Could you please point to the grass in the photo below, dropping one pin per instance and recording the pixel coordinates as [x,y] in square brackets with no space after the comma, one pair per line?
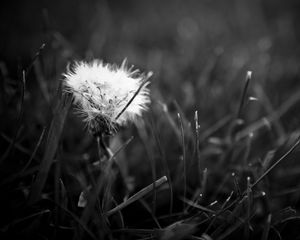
[215,157]
[235,216]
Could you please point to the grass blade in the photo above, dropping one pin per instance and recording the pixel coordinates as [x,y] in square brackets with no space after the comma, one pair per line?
[37,54]
[137,196]
[34,151]
[214,128]
[276,163]
[184,157]
[165,165]
[143,84]
[197,129]
[266,231]
[274,116]
[53,138]
[145,205]
[99,185]
[195,205]
[243,97]
[144,137]
[19,119]
[249,204]
[170,120]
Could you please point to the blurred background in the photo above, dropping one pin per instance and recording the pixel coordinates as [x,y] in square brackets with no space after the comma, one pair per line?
[199,52]
[186,43]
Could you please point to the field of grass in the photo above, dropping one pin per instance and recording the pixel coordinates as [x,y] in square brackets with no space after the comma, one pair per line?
[215,157]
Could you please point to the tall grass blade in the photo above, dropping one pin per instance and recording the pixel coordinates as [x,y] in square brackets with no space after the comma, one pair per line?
[78,220]
[231,218]
[53,138]
[243,97]
[278,127]
[146,206]
[137,196]
[249,205]
[34,151]
[146,80]
[19,119]
[215,127]
[144,137]
[165,165]
[37,54]
[276,163]
[184,157]
[93,196]
[197,129]
[266,231]
[274,116]
[170,120]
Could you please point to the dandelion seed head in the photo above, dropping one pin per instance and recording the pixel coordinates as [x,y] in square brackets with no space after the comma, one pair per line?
[102,91]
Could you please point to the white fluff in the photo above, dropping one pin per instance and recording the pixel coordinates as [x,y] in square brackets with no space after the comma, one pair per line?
[101,91]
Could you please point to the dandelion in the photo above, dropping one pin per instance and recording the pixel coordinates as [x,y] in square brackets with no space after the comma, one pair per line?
[107,96]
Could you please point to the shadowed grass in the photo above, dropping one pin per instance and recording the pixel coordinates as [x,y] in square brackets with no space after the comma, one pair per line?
[137,196]
[261,199]
[266,231]
[165,165]
[276,163]
[244,93]
[54,134]
[93,196]
[19,119]
[183,157]
[34,151]
[144,137]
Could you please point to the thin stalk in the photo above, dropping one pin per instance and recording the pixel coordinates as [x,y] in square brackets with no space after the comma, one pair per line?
[134,95]
[170,120]
[19,119]
[276,163]
[99,147]
[99,185]
[249,191]
[165,165]
[236,184]
[136,196]
[34,151]
[195,205]
[214,128]
[274,116]
[37,54]
[144,136]
[20,116]
[145,205]
[243,97]
[78,220]
[266,231]
[218,213]
[197,128]
[53,138]
[184,158]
